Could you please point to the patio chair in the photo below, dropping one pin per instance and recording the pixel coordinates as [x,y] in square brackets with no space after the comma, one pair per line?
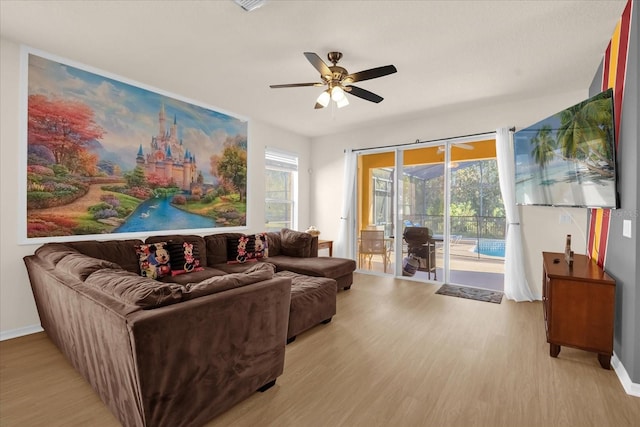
[372,242]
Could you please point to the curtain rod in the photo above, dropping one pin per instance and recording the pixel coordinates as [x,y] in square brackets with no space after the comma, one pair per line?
[417,141]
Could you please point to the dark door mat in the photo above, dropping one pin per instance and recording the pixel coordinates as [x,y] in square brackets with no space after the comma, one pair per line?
[471,293]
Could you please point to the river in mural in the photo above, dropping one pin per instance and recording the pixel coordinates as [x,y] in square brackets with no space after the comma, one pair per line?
[158,214]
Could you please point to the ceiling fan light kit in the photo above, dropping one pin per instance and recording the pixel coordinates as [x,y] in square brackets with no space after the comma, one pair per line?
[338,81]
[342,102]
[337,93]
[323,99]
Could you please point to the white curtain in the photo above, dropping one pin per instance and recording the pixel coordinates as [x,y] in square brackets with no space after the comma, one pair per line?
[344,244]
[515,282]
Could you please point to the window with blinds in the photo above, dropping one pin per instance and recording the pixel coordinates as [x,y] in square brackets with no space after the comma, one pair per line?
[281,190]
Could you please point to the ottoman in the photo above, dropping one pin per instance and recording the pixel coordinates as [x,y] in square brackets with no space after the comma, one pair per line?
[340,269]
[313,301]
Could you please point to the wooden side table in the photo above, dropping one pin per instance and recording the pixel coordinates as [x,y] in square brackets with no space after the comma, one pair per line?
[579,305]
[326,244]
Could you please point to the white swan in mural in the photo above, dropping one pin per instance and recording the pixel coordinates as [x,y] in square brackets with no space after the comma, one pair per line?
[154,206]
[144,214]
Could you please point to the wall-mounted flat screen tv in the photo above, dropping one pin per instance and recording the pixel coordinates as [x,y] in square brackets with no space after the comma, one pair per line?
[568,159]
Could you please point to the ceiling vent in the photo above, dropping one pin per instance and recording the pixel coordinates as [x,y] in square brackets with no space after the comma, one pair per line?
[250,5]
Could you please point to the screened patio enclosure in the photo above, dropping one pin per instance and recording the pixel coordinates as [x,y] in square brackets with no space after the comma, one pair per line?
[460,205]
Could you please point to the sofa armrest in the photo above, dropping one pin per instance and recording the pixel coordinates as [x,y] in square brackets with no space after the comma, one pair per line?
[90,329]
[200,357]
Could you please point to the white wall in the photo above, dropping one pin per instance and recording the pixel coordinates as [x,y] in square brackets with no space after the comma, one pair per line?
[17,308]
[18,313]
[542,230]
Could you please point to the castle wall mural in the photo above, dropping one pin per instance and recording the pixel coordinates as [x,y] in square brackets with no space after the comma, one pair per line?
[104,157]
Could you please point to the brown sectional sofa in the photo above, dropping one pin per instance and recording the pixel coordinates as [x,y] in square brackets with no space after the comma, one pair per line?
[289,251]
[180,351]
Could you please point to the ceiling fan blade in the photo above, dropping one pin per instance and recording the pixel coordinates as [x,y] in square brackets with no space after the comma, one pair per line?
[318,106]
[318,64]
[364,94]
[296,85]
[372,73]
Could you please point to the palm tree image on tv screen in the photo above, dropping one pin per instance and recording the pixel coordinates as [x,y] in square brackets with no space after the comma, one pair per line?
[568,159]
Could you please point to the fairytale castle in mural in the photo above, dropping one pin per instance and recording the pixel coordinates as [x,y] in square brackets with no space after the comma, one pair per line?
[168,157]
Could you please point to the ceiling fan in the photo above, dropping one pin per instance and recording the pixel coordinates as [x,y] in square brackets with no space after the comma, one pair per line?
[338,80]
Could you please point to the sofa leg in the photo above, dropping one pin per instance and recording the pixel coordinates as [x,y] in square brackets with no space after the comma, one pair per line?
[292,339]
[267,386]
[325,321]
[346,288]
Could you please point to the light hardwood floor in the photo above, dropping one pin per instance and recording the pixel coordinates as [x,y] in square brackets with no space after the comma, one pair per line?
[396,354]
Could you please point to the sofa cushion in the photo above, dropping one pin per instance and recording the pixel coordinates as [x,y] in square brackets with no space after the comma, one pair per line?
[122,252]
[256,273]
[246,248]
[194,276]
[295,243]
[52,253]
[317,266]
[275,243]
[133,289]
[154,260]
[217,247]
[237,267]
[82,266]
[184,257]
[198,242]
[148,293]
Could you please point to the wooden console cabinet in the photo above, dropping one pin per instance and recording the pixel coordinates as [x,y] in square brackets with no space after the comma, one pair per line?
[578,306]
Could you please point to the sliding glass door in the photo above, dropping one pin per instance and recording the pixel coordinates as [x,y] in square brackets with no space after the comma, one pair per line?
[432,213]
[476,217]
[422,213]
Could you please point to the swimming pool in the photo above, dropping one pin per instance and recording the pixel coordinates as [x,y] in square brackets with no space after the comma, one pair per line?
[490,247]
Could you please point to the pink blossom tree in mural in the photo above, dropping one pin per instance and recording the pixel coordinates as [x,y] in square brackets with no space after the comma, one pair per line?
[64,127]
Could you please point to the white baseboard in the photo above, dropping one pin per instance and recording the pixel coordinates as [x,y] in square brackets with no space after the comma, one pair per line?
[15,333]
[632,389]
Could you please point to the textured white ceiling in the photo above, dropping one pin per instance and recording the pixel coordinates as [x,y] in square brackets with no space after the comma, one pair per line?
[448,53]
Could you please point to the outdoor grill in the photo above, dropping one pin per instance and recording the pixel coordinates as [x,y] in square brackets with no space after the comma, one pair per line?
[416,238]
[421,246]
